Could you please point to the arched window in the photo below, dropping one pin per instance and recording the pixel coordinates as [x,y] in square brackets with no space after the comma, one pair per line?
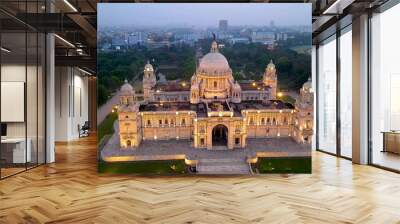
[251,121]
[262,120]
[166,121]
[268,120]
[273,121]
[148,123]
[215,84]
[183,122]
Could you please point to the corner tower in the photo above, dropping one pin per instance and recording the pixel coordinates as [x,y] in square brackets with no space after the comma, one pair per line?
[270,78]
[149,81]
[128,118]
[304,114]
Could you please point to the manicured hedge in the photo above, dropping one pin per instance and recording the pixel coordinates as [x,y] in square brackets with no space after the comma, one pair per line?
[284,165]
[144,167]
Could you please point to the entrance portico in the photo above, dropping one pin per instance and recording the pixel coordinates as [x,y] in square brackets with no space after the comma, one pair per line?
[220,135]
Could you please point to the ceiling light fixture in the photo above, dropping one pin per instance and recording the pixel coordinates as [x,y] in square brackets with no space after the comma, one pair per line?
[5,50]
[70,5]
[64,40]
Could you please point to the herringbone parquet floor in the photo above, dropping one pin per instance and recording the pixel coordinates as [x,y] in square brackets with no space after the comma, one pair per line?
[71,191]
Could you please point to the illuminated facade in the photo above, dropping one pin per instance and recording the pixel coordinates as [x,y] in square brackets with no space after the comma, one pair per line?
[129,119]
[213,110]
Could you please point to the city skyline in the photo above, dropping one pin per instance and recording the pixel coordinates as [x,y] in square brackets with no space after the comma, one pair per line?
[204,15]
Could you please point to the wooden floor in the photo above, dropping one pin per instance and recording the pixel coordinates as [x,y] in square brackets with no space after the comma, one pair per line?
[71,191]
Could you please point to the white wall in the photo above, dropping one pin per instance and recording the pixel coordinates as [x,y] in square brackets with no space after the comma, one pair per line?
[16,73]
[71,102]
[33,126]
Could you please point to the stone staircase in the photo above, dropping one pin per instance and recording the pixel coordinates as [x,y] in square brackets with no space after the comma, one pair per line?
[220,148]
[223,166]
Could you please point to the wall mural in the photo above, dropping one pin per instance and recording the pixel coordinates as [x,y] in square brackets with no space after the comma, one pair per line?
[204,88]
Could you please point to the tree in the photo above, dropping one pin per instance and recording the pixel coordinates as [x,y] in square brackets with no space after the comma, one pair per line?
[102,94]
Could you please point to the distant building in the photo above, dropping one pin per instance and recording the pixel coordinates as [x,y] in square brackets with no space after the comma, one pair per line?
[241,40]
[106,46]
[158,44]
[223,35]
[281,36]
[263,37]
[223,25]
[187,37]
[135,38]
[118,43]
[272,24]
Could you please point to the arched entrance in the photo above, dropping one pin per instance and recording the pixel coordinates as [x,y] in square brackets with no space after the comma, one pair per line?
[128,143]
[220,135]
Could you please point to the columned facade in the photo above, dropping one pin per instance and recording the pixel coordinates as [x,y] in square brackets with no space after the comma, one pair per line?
[220,113]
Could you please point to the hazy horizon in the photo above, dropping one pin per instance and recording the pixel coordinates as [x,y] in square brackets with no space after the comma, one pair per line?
[203,14]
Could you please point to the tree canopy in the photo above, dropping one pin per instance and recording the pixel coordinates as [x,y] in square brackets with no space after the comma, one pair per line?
[248,62]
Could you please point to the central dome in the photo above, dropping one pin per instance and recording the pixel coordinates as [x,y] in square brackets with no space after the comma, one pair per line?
[214,63]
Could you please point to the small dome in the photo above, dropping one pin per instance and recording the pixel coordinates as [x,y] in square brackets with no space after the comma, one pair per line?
[214,63]
[236,85]
[271,65]
[148,67]
[127,89]
[308,85]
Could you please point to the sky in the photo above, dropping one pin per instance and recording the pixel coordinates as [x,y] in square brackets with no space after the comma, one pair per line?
[202,14]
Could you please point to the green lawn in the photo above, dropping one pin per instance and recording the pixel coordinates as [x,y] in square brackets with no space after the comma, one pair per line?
[144,167]
[284,165]
[106,127]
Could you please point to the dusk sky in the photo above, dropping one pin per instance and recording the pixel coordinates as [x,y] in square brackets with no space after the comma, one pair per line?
[202,14]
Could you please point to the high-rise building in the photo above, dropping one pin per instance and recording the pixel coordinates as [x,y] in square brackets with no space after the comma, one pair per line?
[272,23]
[223,25]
